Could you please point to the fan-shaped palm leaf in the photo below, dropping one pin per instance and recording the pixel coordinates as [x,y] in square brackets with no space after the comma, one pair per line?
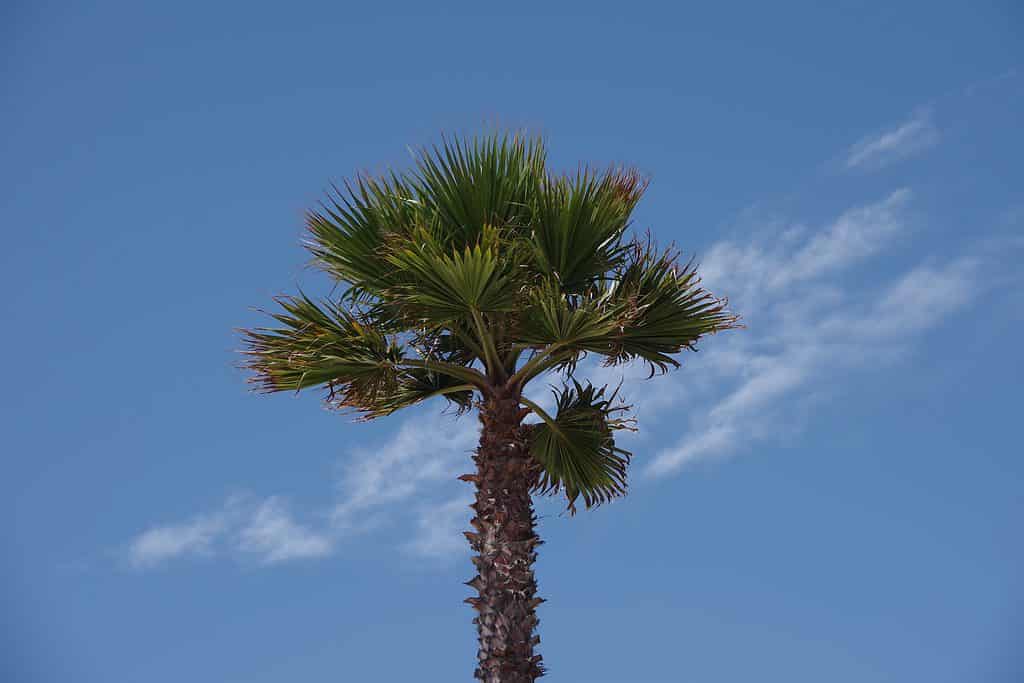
[576,448]
[578,224]
[663,309]
[361,367]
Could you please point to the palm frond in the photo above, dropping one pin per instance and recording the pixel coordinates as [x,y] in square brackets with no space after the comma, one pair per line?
[416,385]
[452,343]
[348,231]
[562,327]
[576,448]
[579,222]
[663,309]
[470,184]
[326,345]
[439,286]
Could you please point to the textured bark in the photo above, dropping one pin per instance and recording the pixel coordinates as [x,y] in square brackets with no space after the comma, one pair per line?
[505,544]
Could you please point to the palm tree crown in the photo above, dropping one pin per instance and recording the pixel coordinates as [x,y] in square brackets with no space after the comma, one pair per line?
[467,277]
[478,271]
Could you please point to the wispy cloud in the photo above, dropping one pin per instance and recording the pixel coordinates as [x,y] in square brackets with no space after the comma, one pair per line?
[264,530]
[913,136]
[162,543]
[273,535]
[754,269]
[774,381]
[991,82]
[813,324]
[426,449]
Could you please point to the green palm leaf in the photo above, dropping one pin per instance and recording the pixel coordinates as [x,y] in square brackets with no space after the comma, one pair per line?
[361,368]
[347,234]
[578,224]
[576,448]
[663,309]
[440,287]
[415,385]
[486,181]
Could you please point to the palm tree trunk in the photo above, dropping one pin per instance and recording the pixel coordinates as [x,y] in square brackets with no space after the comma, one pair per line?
[505,544]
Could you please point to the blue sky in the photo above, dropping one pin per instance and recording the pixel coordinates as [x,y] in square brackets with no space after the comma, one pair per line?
[834,493]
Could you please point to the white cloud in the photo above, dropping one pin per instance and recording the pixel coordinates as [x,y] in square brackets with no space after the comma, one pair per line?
[917,300]
[160,544]
[770,379]
[754,269]
[909,138]
[427,448]
[274,536]
[261,529]
[810,320]
[806,340]
[715,439]
[855,235]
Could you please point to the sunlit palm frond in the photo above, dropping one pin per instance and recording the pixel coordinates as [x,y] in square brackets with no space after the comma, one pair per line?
[484,181]
[578,224]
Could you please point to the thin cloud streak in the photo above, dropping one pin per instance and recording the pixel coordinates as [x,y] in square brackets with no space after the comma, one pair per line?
[758,385]
[764,268]
[913,136]
[426,449]
[274,536]
[264,530]
[160,544]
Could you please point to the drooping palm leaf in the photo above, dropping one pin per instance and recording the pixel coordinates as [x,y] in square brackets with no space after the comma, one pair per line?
[415,385]
[576,447]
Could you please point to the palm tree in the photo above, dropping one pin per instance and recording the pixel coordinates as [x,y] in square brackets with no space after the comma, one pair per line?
[468,277]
